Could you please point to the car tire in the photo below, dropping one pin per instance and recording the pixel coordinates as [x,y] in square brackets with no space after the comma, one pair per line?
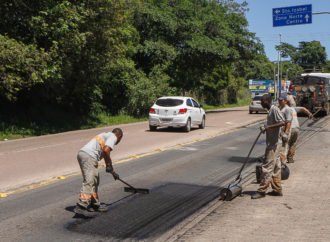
[187,128]
[152,128]
[256,111]
[250,112]
[202,125]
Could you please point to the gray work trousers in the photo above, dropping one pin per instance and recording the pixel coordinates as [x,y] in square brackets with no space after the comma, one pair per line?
[292,144]
[91,181]
[271,170]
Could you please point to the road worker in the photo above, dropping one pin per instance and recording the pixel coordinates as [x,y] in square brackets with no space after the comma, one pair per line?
[271,167]
[88,157]
[292,143]
[286,132]
[290,100]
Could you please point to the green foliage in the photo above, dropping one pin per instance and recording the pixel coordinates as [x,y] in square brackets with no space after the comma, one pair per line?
[309,55]
[118,56]
[326,68]
[22,67]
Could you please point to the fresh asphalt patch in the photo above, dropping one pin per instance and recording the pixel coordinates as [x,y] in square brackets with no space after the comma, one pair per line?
[146,216]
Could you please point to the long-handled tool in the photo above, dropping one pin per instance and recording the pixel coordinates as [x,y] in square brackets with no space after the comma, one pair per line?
[133,189]
[309,118]
[234,189]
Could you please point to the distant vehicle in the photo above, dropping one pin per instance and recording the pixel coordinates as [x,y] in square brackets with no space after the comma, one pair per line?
[176,112]
[255,105]
[312,91]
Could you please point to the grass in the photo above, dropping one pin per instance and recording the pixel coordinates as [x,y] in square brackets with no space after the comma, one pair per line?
[241,102]
[24,129]
[57,122]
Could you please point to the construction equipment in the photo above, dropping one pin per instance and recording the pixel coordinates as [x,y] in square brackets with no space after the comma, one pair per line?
[285,171]
[235,189]
[132,189]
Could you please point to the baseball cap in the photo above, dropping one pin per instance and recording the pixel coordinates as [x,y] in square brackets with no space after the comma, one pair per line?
[282,97]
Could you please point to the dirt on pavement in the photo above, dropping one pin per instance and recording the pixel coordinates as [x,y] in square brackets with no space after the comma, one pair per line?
[302,214]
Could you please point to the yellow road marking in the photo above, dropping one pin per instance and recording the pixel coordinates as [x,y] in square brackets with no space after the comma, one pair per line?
[57,178]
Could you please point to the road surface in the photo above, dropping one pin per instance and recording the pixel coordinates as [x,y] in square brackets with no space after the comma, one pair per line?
[37,159]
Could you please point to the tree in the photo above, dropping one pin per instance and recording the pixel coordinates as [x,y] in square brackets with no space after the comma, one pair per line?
[309,55]
[22,67]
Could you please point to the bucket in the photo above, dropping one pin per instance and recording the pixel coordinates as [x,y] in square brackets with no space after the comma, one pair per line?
[285,172]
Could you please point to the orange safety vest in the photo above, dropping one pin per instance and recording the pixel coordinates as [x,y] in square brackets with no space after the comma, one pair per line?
[290,98]
[100,140]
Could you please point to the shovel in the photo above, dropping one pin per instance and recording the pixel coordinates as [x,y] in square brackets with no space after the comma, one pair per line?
[235,189]
[132,189]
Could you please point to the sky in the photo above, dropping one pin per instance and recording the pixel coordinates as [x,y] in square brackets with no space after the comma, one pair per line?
[260,21]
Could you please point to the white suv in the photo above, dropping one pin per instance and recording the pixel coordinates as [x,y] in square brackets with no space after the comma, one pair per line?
[176,112]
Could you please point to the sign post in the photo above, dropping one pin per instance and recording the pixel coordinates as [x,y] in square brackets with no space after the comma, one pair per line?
[294,15]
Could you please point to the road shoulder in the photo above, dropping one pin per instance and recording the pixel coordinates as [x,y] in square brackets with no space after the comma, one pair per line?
[302,214]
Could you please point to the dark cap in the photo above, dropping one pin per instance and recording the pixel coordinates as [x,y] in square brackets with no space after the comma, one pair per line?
[282,97]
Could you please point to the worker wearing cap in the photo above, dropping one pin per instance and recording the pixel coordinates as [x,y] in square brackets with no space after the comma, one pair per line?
[271,167]
[292,143]
[88,157]
[286,132]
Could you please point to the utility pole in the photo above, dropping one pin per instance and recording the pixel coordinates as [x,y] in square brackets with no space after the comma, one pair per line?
[278,85]
[280,68]
[275,86]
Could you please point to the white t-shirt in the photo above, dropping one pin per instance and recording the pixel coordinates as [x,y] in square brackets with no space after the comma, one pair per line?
[94,147]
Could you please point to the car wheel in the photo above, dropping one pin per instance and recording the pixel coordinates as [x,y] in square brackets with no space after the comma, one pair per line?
[152,128]
[202,125]
[187,128]
[250,111]
[256,111]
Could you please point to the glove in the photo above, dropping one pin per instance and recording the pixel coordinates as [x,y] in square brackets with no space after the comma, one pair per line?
[285,137]
[108,168]
[310,116]
[263,128]
[115,175]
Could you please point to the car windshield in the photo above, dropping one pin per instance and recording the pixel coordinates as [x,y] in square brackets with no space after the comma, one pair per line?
[257,98]
[169,102]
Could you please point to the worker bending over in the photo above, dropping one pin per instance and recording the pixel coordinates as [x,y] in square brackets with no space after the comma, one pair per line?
[271,167]
[88,157]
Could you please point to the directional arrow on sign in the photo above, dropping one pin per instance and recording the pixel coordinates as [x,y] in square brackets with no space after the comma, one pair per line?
[293,15]
[307,17]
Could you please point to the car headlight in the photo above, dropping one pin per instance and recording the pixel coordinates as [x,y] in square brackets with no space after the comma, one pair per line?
[312,89]
[304,89]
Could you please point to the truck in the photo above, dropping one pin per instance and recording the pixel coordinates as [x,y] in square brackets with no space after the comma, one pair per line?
[312,91]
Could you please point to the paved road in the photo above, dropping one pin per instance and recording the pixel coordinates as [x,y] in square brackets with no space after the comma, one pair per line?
[182,181]
[302,214]
[37,159]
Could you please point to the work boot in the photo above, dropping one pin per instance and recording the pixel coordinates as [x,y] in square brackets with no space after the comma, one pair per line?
[81,207]
[276,194]
[98,208]
[258,195]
